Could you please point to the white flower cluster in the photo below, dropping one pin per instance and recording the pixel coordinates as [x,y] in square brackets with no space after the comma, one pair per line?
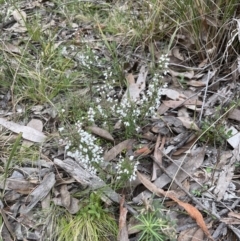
[91,114]
[147,105]
[87,153]
[163,63]
[107,74]
[126,170]
[105,89]
[127,113]
[154,89]
[84,60]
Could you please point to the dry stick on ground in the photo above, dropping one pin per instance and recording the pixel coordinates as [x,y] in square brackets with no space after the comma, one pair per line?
[204,97]
[123,232]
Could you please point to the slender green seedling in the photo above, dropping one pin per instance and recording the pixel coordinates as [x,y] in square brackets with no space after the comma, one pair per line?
[13,151]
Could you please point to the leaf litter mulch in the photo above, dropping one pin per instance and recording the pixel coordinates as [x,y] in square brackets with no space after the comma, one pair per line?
[188,153]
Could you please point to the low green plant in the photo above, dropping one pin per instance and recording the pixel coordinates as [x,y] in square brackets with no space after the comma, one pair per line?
[215,135]
[198,192]
[209,169]
[153,225]
[9,163]
[91,223]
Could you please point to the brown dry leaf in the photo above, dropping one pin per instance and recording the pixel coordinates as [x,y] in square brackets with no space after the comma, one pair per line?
[226,175]
[73,206]
[20,17]
[186,147]
[111,154]
[173,103]
[233,214]
[11,48]
[143,151]
[234,115]
[188,123]
[101,132]
[173,94]
[20,25]
[65,196]
[193,213]
[134,89]
[182,112]
[162,109]
[123,232]
[176,53]
[176,63]
[230,221]
[118,125]
[186,235]
[178,103]
[187,75]
[149,136]
[27,132]
[67,201]
[191,210]
[198,235]
[234,218]
[35,124]
[202,64]
[158,155]
[196,83]
[208,76]
[130,79]
[193,107]
[46,202]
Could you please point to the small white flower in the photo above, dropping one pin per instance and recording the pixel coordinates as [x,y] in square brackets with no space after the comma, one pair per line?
[165,85]
[61,129]
[138,129]
[131,158]
[126,123]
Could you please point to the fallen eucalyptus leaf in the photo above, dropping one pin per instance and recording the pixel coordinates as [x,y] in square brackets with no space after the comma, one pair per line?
[28,133]
[101,132]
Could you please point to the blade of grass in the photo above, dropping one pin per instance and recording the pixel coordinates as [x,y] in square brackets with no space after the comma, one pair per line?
[15,145]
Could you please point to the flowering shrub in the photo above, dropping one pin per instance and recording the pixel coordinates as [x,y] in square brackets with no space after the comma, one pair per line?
[126,112]
[85,151]
[126,170]
[109,110]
